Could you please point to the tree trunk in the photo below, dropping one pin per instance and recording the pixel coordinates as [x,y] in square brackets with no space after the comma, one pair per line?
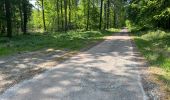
[21,17]
[108,13]
[58,20]
[75,13]
[105,15]
[43,14]
[62,22]
[65,8]
[115,19]
[101,13]
[88,14]
[69,13]
[8,18]
[25,16]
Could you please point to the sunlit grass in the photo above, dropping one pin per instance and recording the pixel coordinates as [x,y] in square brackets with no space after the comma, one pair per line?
[68,41]
[154,45]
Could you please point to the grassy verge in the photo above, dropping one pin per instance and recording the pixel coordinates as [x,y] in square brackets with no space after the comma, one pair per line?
[155,46]
[68,41]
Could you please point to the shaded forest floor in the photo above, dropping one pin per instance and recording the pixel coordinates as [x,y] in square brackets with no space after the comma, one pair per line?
[155,46]
[23,57]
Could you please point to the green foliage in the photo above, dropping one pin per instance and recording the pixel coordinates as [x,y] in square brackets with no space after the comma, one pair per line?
[128,24]
[150,13]
[79,12]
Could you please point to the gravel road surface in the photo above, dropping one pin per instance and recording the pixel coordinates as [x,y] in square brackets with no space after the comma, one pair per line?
[107,71]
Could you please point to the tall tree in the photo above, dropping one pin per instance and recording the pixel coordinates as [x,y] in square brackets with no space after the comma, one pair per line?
[108,13]
[105,15]
[21,16]
[42,4]
[62,21]
[58,18]
[69,13]
[88,15]
[2,18]
[8,18]
[25,4]
[65,9]
[101,13]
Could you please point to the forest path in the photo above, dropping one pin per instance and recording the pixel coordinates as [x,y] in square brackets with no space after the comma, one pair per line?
[108,71]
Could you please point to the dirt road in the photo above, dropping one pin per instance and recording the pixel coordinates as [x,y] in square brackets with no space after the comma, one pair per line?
[108,71]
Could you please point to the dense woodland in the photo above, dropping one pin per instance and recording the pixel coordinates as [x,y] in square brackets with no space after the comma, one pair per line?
[150,13]
[20,16]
